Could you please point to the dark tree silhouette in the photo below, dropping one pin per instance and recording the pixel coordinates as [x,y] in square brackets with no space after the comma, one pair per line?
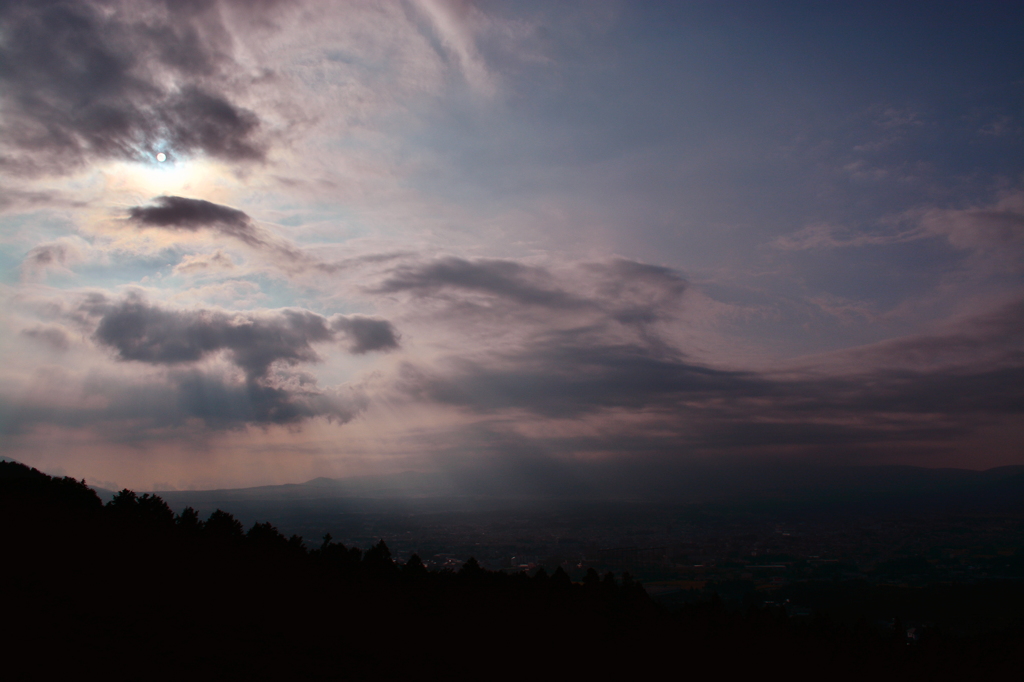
[414,567]
[540,577]
[471,570]
[154,511]
[223,526]
[189,522]
[265,536]
[124,502]
[560,581]
[378,562]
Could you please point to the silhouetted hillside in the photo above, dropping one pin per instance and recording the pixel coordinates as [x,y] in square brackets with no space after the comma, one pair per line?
[131,586]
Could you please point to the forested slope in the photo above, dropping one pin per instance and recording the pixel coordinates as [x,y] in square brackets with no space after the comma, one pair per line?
[131,586]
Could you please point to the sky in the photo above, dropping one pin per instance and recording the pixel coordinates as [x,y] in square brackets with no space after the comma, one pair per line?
[254,242]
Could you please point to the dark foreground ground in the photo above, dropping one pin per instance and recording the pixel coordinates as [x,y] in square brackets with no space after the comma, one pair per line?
[129,589]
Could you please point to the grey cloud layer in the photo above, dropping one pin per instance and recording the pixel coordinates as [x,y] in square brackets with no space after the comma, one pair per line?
[687,407]
[365,334]
[504,278]
[144,332]
[570,372]
[567,375]
[265,345]
[999,226]
[996,336]
[182,397]
[672,404]
[627,291]
[191,215]
[85,80]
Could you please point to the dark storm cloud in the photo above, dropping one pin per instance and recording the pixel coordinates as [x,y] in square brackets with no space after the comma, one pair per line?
[503,278]
[573,378]
[688,406]
[148,333]
[957,391]
[565,375]
[224,404]
[930,389]
[752,434]
[144,409]
[201,121]
[81,80]
[192,215]
[265,345]
[366,333]
[628,292]
[181,213]
[145,333]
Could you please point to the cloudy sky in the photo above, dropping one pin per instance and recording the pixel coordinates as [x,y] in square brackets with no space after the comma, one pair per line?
[249,242]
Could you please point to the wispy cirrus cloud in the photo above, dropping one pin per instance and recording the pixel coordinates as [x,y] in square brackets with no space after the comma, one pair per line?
[999,225]
[828,236]
[987,228]
[218,261]
[453,23]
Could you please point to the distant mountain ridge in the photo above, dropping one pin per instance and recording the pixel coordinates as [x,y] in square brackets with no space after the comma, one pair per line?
[796,484]
[404,484]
